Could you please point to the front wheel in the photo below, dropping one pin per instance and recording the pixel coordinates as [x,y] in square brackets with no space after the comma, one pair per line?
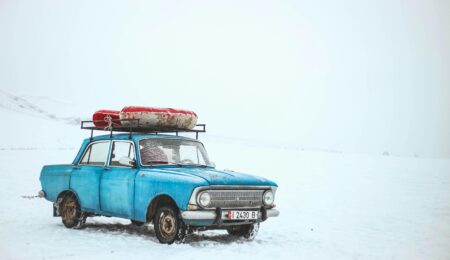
[168,225]
[247,231]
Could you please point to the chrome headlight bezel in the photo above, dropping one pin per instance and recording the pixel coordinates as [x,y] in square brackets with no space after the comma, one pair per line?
[268,197]
[204,199]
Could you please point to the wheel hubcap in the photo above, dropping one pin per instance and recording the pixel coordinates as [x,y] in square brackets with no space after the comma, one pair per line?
[167,225]
[69,211]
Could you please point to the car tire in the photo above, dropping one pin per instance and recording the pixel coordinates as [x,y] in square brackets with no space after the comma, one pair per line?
[71,212]
[168,225]
[247,231]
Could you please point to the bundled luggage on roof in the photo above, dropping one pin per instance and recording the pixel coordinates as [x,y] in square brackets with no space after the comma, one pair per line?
[145,120]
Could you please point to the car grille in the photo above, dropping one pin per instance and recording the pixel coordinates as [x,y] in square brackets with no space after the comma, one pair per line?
[236,198]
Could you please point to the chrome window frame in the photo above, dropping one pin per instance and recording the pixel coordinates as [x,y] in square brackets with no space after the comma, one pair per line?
[145,165]
[198,190]
[87,148]
[110,153]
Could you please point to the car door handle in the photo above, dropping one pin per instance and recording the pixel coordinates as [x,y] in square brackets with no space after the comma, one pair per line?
[106,168]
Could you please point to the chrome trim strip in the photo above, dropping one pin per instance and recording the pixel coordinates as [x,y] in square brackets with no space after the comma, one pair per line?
[87,147]
[198,215]
[211,215]
[193,199]
[41,194]
[145,165]
[235,198]
[272,213]
[110,152]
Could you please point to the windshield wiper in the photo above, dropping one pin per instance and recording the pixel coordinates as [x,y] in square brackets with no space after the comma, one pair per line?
[163,163]
[177,164]
[195,164]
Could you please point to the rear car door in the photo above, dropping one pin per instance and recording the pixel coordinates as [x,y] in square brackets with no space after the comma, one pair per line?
[117,182]
[85,177]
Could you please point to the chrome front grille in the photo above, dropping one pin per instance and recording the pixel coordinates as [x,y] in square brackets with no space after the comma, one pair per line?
[236,198]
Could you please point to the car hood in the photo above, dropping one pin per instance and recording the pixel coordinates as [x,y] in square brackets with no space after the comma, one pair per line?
[215,177]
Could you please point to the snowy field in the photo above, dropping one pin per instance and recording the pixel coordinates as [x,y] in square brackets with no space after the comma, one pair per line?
[333,205]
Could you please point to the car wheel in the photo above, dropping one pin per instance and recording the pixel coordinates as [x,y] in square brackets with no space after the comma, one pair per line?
[247,231]
[168,225]
[70,212]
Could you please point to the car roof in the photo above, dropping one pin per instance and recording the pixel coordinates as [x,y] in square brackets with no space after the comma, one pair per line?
[136,137]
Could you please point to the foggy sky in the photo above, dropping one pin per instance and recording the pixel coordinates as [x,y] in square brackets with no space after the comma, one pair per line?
[356,76]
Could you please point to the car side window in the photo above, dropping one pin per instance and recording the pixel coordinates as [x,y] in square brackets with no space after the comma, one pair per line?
[96,154]
[120,150]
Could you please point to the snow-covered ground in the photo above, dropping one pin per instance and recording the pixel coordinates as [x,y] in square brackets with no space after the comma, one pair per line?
[333,205]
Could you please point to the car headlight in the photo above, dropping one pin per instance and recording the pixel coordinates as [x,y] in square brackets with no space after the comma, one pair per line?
[204,199]
[268,198]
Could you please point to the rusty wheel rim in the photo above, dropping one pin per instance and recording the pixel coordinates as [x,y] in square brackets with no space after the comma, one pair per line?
[69,211]
[167,225]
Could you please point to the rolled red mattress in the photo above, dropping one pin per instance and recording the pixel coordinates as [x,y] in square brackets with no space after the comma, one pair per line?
[158,117]
[101,118]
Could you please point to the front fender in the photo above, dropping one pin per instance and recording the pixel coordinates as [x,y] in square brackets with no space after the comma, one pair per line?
[150,184]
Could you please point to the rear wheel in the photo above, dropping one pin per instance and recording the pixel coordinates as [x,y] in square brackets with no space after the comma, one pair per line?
[70,211]
[246,231]
[168,225]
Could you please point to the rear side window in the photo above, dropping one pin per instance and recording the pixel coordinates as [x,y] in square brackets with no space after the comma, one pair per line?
[96,154]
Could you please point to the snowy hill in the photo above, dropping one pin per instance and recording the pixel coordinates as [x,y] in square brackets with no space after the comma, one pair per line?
[37,123]
[23,105]
[333,205]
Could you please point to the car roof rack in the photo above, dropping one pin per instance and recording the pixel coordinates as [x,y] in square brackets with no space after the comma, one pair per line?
[114,125]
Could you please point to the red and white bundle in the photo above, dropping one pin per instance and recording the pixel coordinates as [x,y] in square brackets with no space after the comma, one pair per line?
[147,116]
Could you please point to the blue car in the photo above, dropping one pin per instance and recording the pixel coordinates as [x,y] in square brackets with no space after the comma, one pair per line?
[167,180]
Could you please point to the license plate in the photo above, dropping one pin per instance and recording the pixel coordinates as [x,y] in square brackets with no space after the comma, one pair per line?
[242,214]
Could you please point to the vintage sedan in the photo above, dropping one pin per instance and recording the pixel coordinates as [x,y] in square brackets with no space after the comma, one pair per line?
[166,180]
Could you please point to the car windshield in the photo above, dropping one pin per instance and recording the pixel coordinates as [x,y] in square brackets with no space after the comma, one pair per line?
[172,152]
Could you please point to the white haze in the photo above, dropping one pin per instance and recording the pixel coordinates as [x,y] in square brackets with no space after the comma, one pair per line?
[356,76]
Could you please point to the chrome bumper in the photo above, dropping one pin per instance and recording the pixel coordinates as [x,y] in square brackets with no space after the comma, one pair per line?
[41,194]
[211,214]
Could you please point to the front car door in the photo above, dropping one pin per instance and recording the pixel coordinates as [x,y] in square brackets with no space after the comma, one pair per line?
[117,182]
[86,175]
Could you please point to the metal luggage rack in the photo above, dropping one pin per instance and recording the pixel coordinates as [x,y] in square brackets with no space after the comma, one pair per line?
[114,125]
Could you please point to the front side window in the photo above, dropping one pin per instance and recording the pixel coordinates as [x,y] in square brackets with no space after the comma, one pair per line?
[96,154]
[172,151]
[119,150]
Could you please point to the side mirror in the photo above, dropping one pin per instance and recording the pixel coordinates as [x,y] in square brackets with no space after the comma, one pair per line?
[127,161]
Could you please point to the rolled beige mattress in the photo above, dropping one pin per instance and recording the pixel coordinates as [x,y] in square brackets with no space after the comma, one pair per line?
[158,117]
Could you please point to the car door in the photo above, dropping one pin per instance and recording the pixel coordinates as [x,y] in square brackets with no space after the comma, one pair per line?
[117,182]
[86,175]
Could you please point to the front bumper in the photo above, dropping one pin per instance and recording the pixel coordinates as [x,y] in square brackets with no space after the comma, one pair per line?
[220,217]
